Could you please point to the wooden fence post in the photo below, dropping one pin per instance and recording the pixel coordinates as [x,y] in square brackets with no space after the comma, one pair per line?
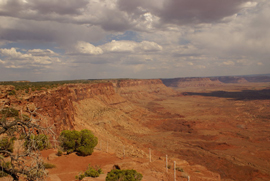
[107,146]
[124,150]
[150,154]
[100,145]
[166,163]
[174,170]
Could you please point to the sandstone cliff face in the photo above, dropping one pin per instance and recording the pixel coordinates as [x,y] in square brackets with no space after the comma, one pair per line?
[135,90]
[57,105]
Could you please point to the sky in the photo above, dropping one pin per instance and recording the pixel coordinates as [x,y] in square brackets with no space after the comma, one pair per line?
[45,40]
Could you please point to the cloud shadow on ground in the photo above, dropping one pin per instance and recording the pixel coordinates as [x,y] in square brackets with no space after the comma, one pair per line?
[263,94]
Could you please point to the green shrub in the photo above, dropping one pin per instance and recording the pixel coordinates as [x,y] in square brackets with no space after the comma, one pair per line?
[124,175]
[83,142]
[59,153]
[4,165]
[12,92]
[179,169]
[93,171]
[3,174]
[48,165]
[39,142]
[80,176]
[90,172]
[7,144]
[9,112]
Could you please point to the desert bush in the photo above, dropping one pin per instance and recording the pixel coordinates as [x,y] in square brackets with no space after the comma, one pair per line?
[59,153]
[90,172]
[80,176]
[39,142]
[83,142]
[9,112]
[12,92]
[48,165]
[4,165]
[179,169]
[93,171]
[7,144]
[3,174]
[124,175]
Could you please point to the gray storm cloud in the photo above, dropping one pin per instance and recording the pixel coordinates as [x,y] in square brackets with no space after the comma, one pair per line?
[183,12]
[123,14]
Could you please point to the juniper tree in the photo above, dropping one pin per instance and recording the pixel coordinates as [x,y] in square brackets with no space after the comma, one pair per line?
[22,160]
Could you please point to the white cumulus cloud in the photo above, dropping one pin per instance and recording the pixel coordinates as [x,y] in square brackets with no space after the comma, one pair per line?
[131,46]
[14,58]
[87,48]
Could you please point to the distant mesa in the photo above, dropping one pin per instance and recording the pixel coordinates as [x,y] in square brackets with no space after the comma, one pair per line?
[232,79]
[191,82]
[213,81]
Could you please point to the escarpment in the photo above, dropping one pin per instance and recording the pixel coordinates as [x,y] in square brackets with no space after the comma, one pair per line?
[57,104]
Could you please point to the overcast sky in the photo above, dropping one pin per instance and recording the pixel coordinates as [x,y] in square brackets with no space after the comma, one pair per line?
[94,39]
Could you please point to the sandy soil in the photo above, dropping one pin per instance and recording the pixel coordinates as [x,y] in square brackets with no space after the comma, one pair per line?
[68,166]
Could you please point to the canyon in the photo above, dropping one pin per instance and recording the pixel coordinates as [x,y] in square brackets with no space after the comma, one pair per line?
[215,128]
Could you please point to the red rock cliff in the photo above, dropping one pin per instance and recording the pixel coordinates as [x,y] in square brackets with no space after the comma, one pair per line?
[57,105]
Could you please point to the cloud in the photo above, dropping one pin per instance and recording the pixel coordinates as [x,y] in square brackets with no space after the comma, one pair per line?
[101,13]
[196,12]
[123,15]
[12,53]
[61,7]
[33,58]
[36,32]
[130,47]
[87,48]
[185,12]
[169,37]
[41,52]
[28,8]
[246,35]
[229,62]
